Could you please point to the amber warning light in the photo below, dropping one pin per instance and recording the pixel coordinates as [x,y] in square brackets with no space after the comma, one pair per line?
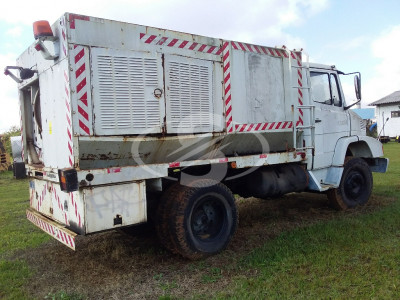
[42,29]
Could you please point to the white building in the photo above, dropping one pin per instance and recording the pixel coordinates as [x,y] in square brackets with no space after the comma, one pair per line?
[388,114]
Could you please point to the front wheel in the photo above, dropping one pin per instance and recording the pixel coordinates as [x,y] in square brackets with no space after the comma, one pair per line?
[199,219]
[355,186]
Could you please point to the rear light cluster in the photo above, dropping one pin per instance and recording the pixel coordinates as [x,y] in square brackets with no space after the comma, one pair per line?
[68,180]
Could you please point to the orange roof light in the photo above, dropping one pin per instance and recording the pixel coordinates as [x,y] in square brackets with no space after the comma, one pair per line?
[41,29]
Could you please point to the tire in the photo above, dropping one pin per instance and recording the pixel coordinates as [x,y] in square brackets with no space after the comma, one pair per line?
[355,186]
[162,223]
[198,220]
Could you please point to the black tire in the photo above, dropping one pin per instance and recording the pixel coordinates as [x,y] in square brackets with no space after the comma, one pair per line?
[162,223]
[355,186]
[201,219]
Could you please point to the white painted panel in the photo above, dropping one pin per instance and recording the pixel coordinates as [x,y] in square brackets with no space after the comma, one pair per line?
[258,90]
[123,92]
[189,95]
[104,204]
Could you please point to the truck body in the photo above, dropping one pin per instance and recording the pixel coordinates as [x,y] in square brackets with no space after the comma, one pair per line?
[123,123]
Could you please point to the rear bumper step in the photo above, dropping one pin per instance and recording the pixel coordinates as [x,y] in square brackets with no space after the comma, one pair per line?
[56,230]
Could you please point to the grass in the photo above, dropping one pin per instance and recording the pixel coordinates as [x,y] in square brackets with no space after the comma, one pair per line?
[344,258]
[16,234]
[351,255]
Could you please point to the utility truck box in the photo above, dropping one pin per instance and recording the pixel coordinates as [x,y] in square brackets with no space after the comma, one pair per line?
[125,123]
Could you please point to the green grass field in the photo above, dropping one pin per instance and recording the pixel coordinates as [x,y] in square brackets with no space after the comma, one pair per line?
[349,255]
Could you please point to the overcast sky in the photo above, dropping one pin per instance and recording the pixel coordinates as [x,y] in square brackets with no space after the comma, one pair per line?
[354,35]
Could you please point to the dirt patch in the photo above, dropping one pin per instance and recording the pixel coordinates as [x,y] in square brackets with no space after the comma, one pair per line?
[133,265]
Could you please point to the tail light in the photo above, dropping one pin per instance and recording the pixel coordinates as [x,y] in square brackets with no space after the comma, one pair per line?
[68,180]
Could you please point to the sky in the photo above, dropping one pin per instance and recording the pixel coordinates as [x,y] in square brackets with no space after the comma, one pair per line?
[353,35]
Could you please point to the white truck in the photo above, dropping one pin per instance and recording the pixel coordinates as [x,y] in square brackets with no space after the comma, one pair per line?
[124,123]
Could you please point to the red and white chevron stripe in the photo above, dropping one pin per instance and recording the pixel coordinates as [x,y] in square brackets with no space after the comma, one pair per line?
[260,49]
[227,86]
[263,126]
[177,43]
[81,89]
[52,230]
[75,207]
[297,58]
[41,198]
[60,205]
[68,117]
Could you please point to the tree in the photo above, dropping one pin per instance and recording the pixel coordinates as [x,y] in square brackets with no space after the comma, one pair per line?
[13,131]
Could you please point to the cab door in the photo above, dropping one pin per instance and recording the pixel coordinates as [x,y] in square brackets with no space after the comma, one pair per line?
[331,120]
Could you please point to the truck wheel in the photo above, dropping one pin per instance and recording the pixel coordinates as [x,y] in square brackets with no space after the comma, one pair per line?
[163,213]
[202,219]
[355,186]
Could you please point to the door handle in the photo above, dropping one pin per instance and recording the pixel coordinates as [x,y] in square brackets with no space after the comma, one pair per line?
[317,120]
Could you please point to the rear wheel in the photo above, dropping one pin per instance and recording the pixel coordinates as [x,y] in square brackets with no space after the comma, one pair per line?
[198,220]
[355,186]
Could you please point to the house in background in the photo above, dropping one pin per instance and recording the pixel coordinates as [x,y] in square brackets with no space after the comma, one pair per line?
[388,107]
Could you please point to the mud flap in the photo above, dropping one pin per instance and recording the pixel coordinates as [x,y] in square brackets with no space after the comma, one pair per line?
[57,231]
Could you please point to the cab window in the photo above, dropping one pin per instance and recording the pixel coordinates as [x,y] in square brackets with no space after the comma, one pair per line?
[325,88]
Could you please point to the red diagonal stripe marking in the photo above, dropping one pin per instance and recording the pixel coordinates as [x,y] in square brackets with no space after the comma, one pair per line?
[172,43]
[150,39]
[162,41]
[83,113]
[226,56]
[84,127]
[81,85]
[79,55]
[228,100]
[83,99]
[226,67]
[227,89]
[192,46]
[202,47]
[227,77]
[264,126]
[80,70]
[212,48]
[183,44]
[241,46]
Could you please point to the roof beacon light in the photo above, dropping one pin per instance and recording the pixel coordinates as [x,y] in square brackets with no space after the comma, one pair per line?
[42,29]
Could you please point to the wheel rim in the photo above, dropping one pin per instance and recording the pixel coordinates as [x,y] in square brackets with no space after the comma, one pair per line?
[353,185]
[208,219]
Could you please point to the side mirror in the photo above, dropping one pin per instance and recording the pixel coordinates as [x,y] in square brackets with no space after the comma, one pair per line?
[357,86]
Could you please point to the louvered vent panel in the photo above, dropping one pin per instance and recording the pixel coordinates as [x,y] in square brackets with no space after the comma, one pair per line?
[189,96]
[126,102]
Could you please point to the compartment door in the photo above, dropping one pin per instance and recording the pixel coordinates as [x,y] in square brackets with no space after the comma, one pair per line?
[189,94]
[128,96]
